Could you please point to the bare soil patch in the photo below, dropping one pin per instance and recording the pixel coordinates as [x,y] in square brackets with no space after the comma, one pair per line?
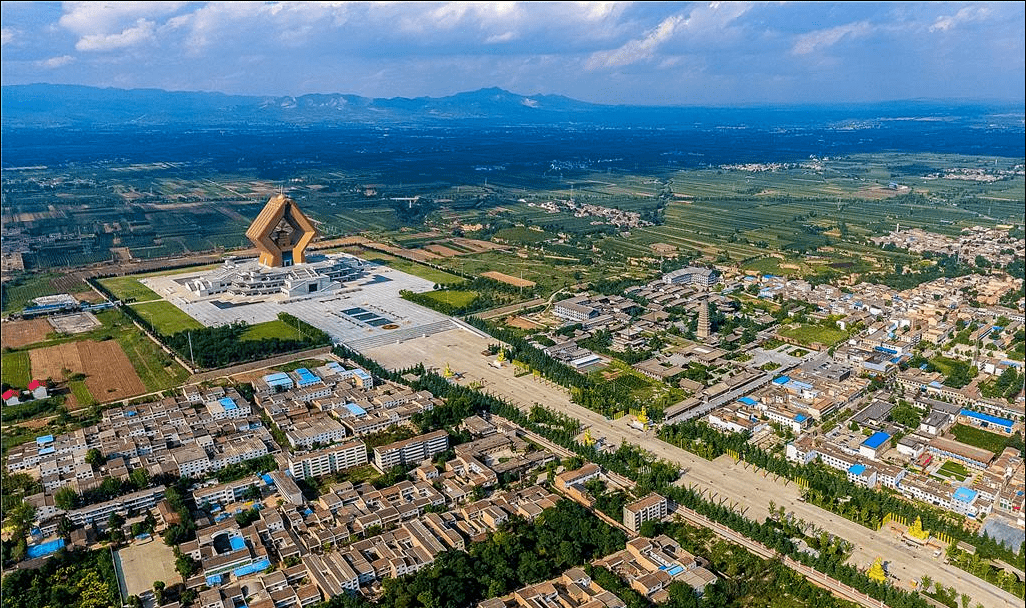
[442,250]
[20,333]
[505,278]
[522,323]
[49,362]
[109,373]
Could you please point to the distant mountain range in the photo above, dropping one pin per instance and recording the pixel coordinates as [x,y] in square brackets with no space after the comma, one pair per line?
[48,105]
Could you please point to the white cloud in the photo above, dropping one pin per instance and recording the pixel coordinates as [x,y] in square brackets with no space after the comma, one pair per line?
[823,39]
[97,18]
[56,62]
[7,35]
[636,50]
[141,32]
[965,15]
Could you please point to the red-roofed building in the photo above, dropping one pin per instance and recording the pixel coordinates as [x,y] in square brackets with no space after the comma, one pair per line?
[38,388]
[11,397]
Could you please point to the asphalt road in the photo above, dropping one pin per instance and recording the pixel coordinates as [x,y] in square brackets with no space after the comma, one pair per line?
[750,491]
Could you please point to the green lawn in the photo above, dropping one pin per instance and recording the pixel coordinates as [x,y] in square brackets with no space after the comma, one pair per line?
[15,369]
[809,334]
[271,329]
[953,469]
[129,289]
[980,438]
[418,270]
[166,318]
[81,393]
[454,297]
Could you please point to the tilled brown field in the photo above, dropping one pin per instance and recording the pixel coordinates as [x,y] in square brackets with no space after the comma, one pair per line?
[109,373]
[20,333]
[50,362]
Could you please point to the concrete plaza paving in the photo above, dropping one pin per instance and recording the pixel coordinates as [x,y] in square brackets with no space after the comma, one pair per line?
[376,292]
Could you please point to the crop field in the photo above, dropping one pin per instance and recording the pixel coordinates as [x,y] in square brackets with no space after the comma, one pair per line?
[522,235]
[19,333]
[15,369]
[129,289]
[109,373]
[271,329]
[19,292]
[57,361]
[812,334]
[157,369]
[166,318]
[979,438]
[83,398]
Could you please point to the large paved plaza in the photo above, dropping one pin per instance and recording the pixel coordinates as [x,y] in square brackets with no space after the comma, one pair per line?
[366,312]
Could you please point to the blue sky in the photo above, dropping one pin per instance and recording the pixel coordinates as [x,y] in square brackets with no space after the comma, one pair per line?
[719,53]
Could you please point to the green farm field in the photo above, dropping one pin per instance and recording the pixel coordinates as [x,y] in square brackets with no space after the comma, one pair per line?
[16,369]
[979,438]
[167,319]
[129,289]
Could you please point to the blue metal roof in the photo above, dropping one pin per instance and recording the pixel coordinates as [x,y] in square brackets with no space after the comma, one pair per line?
[781,380]
[44,439]
[355,409]
[800,417]
[987,418]
[857,469]
[267,479]
[228,403]
[747,401]
[876,440]
[884,349]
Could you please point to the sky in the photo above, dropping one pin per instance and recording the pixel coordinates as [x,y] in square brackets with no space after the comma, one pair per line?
[648,53]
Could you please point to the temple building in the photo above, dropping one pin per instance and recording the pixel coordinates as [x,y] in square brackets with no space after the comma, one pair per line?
[281,233]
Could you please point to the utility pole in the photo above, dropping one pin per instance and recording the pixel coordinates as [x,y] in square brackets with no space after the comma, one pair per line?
[191,355]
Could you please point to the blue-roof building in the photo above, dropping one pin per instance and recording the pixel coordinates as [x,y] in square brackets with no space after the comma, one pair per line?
[962,501]
[986,421]
[862,475]
[305,377]
[875,444]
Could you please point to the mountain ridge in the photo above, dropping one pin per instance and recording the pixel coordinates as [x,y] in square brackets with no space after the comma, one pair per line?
[50,105]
